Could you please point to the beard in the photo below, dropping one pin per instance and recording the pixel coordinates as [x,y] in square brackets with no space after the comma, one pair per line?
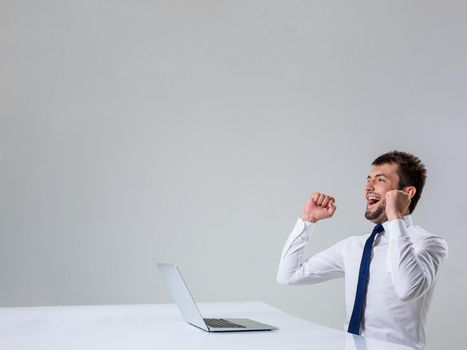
[378,216]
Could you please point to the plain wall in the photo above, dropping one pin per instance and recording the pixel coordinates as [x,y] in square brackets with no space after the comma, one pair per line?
[133,132]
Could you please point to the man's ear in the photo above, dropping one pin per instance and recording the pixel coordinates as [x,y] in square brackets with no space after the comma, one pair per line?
[410,190]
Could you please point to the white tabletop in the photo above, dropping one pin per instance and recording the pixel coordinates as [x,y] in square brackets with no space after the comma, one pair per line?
[160,326]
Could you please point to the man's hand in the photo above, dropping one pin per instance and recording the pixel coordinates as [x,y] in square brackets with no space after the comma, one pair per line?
[319,206]
[397,204]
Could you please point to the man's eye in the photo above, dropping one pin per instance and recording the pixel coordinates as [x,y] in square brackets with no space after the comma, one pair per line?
[381,179]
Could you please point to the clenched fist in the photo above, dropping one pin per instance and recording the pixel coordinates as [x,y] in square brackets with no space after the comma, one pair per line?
[397,204]
[319,206]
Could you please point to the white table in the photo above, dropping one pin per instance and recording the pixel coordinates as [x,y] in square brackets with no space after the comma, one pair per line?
[160,327]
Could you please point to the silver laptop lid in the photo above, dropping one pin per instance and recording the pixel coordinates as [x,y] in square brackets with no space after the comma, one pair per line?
[181,295]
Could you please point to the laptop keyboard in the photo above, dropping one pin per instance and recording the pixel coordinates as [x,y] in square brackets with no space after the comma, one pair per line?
[221,323]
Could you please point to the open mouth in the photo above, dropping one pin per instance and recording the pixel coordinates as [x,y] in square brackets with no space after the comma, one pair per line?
[372,199]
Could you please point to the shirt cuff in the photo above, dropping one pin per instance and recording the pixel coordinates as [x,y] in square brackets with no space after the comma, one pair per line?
[302,225]
[306,223]
[397,229]
[302,230]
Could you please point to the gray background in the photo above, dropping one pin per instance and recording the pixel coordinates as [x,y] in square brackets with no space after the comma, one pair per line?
[133,132]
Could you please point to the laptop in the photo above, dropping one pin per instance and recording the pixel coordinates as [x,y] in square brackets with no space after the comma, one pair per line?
[190,312]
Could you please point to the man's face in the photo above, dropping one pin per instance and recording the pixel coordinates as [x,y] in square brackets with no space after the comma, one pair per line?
[382,178]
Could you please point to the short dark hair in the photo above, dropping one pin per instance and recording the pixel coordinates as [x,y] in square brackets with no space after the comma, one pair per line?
[411,171]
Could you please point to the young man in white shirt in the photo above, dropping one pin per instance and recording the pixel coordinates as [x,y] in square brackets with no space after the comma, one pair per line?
[393,297]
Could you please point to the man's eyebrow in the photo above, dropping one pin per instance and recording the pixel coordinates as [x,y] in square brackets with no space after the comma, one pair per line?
[378,175]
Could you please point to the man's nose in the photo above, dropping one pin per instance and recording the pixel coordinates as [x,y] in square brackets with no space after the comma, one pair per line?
[369,186]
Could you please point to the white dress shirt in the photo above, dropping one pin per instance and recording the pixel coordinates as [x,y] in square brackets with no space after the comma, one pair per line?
[403,272]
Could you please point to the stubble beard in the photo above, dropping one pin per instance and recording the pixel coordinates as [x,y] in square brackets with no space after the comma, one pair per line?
[378,216]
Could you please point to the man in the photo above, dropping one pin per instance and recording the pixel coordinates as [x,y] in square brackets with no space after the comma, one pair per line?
[389,284]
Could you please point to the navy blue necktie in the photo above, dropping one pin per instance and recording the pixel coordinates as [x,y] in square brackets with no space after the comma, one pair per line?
[354,324]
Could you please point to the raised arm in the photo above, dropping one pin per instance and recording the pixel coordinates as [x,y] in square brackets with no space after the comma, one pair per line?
[414,266]
[293,267]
